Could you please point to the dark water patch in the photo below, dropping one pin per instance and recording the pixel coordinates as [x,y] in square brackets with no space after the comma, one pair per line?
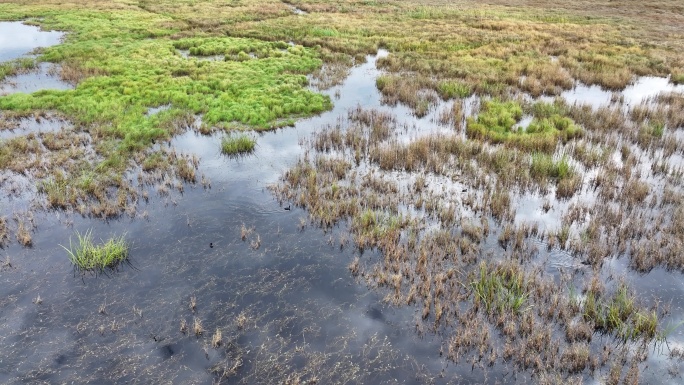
[18,39]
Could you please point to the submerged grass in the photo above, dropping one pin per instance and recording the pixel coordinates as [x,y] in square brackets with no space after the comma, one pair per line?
[88,256]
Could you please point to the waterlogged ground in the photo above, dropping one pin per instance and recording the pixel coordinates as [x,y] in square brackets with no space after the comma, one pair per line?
[225,255]
[282,298]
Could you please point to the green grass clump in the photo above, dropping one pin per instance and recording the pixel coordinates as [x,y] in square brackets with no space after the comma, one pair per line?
[500,289]
[87,256]
[497,121]
[375,228]
[545,167]
[237,144]
[619,314]
[14,67]
[452,89]
[677,78]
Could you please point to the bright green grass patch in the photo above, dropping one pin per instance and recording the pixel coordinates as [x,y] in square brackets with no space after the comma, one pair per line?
[142,68]
[237,144]
[497,122]
[87,256]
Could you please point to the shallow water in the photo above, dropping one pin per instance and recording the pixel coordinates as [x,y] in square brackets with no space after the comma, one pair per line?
[288,279]
[18,39]
[641,90]
[35,126]
[297,11]
[301,304]
[42,78]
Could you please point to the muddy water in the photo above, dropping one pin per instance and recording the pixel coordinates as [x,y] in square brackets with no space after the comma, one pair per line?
[283,297]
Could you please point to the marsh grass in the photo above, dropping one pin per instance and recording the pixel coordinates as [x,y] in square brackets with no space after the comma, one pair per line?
[131,64]
[237,144]
[17,66]
[497,123]
[500,289]
[86,255]
[620,314]
[434,257]
[4,231]
[450,52]
[544,166]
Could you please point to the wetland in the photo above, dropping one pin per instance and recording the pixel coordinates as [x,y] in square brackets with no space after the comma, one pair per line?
[329,192]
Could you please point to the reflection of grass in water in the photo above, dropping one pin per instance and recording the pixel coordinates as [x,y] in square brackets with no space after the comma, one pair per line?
[86,255]
[237,144]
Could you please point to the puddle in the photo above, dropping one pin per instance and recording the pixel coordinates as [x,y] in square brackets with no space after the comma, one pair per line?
[17,39]
[186,54]
[643,89]
[594,95]
[648,87]
[296,10]
[42,78]
[35,126]
[524,123]
[155,110]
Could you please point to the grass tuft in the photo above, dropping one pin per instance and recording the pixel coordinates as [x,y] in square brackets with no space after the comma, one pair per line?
[237,144]
[501,289]
[87,256]
[620,315]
